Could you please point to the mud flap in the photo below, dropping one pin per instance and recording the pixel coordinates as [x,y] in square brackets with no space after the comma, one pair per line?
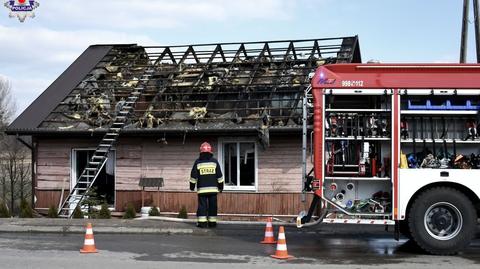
[396,232]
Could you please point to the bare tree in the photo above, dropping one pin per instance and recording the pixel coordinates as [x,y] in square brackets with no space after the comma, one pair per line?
[14,156]
[7,106]
[5,115]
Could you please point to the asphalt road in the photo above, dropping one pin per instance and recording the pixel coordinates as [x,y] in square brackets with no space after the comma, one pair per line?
[230,247]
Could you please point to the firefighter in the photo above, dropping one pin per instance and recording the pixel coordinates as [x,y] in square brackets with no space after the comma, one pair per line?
[207,176]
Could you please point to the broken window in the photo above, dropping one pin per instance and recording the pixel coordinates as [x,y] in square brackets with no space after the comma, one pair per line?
[239,159]
[105,182]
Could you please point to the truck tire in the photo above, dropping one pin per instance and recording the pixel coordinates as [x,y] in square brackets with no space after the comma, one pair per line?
[442,221]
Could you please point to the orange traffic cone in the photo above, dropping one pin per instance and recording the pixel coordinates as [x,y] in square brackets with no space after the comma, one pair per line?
[89,243]
[269,237]
[281,252]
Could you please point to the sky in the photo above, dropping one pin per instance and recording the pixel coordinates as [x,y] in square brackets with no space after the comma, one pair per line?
[34,53]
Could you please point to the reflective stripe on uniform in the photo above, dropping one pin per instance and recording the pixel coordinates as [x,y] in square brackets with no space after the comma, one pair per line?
[193,180]
[207,190]
[212,219]
[220,180]
[206,165]
[202,219]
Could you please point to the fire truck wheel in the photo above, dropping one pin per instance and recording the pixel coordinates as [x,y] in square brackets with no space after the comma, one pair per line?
[442,221]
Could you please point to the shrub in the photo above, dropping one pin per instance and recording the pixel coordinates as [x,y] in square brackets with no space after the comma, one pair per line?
[77,213]
[26,210]
[130,212]
[4,212]
[183,213]
[104,212]
[52,212]
[154,211]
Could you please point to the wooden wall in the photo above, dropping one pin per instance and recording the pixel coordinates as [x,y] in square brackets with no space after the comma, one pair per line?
[228,202]
[170,201]
[279,170]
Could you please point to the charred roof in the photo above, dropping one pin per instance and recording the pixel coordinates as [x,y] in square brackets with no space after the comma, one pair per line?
[226,86]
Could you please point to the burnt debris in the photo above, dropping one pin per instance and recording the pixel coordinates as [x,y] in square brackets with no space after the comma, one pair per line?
[250,85]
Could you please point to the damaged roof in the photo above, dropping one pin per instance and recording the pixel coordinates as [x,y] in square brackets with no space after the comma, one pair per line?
[225,86]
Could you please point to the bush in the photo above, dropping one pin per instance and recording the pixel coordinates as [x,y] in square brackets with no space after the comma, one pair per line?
[26,210]
[183,213]
[52,212]
[78,213]
[130,212]
[4,212]
[104,212]
[154,211]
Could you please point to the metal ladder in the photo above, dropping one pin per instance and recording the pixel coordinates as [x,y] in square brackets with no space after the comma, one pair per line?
[99,158]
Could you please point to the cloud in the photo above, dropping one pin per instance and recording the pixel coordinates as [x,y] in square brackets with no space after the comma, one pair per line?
[38,44]
[161,14]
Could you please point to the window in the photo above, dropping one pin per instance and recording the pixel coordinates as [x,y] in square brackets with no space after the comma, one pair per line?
[238,158]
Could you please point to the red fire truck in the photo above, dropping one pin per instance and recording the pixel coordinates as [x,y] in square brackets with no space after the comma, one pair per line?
[398,144]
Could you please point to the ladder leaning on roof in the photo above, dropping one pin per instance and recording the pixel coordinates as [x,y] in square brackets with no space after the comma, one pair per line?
[99,158]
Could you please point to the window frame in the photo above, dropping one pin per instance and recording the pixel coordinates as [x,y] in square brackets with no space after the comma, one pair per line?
[221,142]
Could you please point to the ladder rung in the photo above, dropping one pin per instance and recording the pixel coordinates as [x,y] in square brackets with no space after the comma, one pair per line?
[124,112]
[94,163]
[102,150]
[115,129]
[87,175]
[126,107]
[108,139]
[91,169]
[105,145]
[115,134]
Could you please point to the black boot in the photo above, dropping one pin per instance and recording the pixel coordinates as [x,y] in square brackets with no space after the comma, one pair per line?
[212,225]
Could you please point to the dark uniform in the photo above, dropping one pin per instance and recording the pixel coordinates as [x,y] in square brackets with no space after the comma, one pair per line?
[207,176]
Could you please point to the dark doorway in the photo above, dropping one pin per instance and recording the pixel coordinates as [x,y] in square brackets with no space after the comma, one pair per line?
[105,182]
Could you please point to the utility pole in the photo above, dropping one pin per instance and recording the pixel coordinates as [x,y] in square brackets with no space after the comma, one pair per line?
[463,44]
[477,28]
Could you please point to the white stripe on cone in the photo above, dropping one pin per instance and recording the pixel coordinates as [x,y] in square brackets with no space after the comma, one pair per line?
[89,231]
[269,224]
[282,247]
[89,242]
[269,234]
[281,236]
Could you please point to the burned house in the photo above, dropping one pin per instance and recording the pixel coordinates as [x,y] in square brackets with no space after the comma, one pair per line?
[243,98]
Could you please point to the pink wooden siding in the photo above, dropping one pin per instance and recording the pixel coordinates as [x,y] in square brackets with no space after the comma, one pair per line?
[279,167]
